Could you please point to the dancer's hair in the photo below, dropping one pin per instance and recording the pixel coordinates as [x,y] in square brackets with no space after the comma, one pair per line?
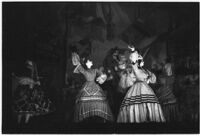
[84,61]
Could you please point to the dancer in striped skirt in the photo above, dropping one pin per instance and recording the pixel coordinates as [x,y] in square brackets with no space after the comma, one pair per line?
[91,101]
[140,103]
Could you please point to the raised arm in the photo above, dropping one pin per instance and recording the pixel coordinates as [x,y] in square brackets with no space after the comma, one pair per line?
[76,62]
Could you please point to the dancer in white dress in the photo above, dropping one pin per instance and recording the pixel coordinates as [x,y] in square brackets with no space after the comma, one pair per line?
[140,103]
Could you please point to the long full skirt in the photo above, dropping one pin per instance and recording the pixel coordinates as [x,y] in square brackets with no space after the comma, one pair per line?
[140,105]
[91,102]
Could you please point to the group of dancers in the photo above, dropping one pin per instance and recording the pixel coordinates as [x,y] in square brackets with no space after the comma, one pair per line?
[140,103]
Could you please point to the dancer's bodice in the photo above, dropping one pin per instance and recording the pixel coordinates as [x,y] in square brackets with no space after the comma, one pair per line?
[143,75]
[89,74]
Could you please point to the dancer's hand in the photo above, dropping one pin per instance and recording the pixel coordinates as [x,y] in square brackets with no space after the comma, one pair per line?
[101,79]
[75,59]
[148,79]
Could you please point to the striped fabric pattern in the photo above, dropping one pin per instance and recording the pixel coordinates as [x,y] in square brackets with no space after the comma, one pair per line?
[139,99]
[140,105]
[138,113]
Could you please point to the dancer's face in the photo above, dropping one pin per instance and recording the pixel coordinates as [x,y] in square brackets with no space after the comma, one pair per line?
[89,64]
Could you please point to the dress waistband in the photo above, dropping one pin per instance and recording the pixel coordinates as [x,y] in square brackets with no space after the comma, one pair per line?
[138,81]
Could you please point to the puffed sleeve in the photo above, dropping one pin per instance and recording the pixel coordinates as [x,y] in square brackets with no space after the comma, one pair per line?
[79,69]
[151,77]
